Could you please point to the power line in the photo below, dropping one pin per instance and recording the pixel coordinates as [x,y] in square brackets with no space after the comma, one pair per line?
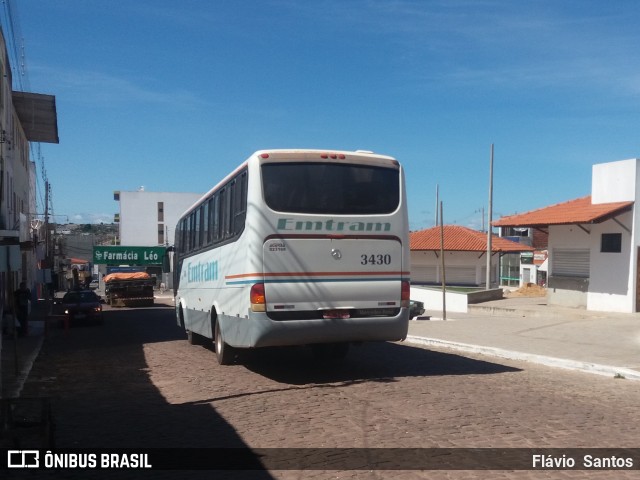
[20,80]
[18,62]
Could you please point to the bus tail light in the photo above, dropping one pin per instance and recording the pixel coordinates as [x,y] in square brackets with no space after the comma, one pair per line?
[405,294]
[258,301]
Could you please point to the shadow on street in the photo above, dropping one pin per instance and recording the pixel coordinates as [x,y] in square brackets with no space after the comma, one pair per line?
[97,380]
[369,362]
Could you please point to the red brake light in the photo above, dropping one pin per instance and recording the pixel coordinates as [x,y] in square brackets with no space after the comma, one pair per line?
[406,290]
[405,293]
[258,301]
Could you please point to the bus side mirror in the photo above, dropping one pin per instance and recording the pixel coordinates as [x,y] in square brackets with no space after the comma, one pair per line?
[166,260]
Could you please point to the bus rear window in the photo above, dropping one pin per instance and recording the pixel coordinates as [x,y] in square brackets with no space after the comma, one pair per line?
[330,188]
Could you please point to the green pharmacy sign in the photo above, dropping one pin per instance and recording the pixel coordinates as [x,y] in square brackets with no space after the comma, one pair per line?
[119,255]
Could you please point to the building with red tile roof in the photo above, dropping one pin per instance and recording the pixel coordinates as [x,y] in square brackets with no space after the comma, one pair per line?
[465,255]
[581,211]
[594,241]
[462,239]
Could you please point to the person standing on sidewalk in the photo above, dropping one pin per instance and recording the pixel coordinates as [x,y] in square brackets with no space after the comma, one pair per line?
[22,299]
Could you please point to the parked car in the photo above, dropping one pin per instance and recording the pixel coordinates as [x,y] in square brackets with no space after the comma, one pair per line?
[94,284]
[416,308]
[82,306]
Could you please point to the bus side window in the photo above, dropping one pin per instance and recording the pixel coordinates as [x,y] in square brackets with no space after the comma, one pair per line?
[215,218]
[240,204]
[206,226]
[222,206]
[197,238]
[192,232]
[229,210]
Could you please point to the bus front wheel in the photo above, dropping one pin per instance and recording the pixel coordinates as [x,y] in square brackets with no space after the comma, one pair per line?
[224,352]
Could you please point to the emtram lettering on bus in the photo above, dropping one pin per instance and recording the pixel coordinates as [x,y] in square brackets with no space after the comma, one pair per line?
[202,272]
[331,225]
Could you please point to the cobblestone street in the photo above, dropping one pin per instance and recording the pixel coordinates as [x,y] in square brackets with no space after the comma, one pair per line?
[136,383]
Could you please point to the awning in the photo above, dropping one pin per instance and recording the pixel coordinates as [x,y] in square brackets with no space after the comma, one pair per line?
[545,266]
[573,212]
[38,116]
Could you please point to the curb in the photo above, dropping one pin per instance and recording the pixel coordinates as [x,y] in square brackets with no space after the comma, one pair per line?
[25,369]
[610,371]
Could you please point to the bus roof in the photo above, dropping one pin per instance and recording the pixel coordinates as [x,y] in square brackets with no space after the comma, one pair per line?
[293,154]
[316,154]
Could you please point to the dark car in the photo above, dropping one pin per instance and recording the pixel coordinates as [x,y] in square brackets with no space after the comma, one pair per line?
[82,306]
[416,308]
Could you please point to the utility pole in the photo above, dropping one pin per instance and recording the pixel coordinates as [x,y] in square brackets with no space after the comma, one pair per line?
[47,250]
[437,204]
[444,278]
[46,222]
[490,214]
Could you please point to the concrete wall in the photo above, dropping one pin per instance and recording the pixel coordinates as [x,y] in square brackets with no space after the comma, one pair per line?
[139,216]
[432,299]
[613,278]
[610,284]
[614,181]
[485,295]
[461,268]
[456,301]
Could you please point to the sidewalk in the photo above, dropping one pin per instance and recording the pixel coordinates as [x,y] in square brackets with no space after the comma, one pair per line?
[526,328]
[19,353]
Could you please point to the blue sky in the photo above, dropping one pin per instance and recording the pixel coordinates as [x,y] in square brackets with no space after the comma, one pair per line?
[172,95]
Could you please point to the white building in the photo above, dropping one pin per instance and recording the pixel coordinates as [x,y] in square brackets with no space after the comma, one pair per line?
[24,118]
[150,218]
[594,241]
[465,256]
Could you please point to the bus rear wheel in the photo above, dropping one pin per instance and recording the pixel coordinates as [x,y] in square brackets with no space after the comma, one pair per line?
[224,353]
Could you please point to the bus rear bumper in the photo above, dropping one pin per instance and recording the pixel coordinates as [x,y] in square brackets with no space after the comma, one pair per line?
[264,332]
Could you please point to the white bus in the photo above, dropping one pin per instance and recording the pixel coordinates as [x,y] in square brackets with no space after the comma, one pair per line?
[296,247]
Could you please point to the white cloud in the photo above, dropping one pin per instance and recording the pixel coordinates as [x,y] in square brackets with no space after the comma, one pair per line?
[100,88]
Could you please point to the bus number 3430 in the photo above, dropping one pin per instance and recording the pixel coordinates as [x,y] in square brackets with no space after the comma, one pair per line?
[375,259]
